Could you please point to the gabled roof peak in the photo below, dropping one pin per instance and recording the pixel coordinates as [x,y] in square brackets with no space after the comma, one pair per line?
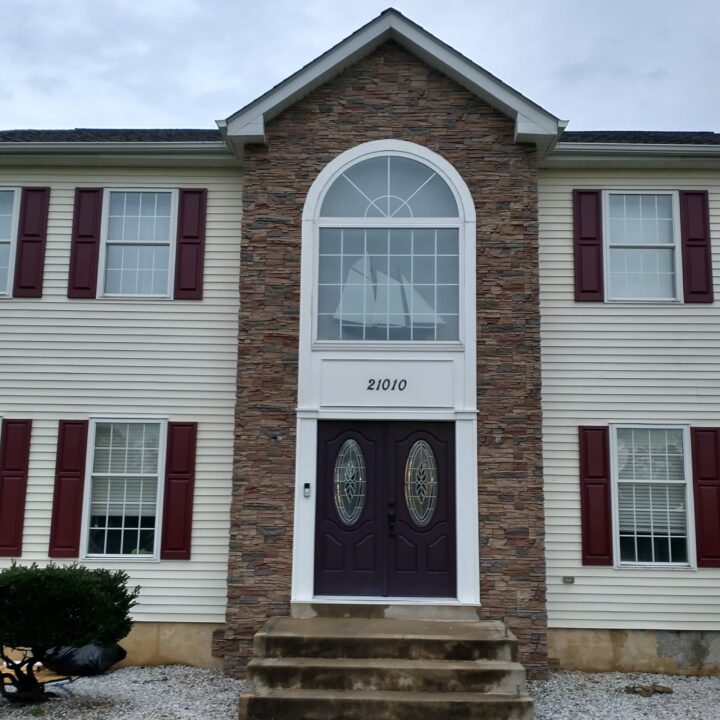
[533,124]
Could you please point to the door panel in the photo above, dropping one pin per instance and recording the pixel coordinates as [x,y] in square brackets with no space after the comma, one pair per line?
[349,559]
[386,548]
[422,554]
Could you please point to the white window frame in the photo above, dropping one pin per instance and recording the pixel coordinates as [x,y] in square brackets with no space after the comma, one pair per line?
[410,223]
[90,453]
[174,194]
[675,195]
[689,498]
[14,224]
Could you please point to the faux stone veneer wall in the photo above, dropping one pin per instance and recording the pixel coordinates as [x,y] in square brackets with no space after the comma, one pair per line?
[390,94]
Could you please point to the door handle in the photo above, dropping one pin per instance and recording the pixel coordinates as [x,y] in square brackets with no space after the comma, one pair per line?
[392,518]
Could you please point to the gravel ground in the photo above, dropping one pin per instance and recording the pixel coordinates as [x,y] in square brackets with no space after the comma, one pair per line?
[582,696]
[173,692]
[183,693]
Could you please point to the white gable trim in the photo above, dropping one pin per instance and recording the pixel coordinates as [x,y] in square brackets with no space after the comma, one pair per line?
[532,123]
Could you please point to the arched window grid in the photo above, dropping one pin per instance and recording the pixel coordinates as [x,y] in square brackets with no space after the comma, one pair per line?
[428,313]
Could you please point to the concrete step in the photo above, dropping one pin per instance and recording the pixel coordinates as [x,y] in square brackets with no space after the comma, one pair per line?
[378,668]
[483,676]
[436,610]
[385,639]
[378,705]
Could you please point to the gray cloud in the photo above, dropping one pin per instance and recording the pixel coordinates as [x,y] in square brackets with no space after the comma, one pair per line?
[645,64]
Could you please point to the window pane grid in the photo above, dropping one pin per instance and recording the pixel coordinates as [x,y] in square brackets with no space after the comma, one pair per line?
[124,486]
[4,266]
[645,274]
[641,219]
[650,455]
[641,246]
[388,284]
[139,216]
[136,269]
[652,512]
[138,243]
[391,187]
[653,524]
[7,203]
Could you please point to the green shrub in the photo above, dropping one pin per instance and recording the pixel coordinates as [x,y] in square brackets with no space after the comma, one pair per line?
[58,605]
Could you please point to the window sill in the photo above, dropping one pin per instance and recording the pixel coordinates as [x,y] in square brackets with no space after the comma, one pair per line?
[134,297]
[655,566]
[644,301]
[374,346]
[119,558]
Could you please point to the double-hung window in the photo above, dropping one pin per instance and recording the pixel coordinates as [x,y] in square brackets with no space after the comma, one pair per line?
[9,202]
[652,494]
[138,247]
[123,498]
[642,246]
[650,246]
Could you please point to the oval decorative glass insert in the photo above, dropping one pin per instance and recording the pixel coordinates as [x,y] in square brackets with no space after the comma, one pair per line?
[350,482]
[421,483]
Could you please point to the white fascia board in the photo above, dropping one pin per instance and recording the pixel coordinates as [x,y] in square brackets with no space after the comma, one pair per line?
[526,129]
[532,122]
[208,153]
[632,155]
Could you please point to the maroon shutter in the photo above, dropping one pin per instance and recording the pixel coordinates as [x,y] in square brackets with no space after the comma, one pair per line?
[32,234]
[588,247]
[595,507]
[179,487]
[190,251]
[706,490]
[14,460]
[85,243]
[69,484]
[696,251]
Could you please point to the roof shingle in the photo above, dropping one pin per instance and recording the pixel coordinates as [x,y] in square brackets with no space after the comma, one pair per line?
[641,136]
[208,135]
[110,135]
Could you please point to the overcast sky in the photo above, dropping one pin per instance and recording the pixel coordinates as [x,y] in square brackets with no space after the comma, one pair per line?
[615,64]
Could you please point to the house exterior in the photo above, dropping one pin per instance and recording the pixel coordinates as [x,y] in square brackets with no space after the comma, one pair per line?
[82,364]
[391,337]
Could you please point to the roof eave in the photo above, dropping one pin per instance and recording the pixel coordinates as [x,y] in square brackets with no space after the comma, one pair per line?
[632,155]
[117,153]
[532,123]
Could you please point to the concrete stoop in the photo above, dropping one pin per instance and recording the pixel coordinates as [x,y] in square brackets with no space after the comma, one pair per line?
[383,669]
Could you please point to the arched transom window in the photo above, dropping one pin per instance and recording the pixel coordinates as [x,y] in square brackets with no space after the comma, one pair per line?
[389,254]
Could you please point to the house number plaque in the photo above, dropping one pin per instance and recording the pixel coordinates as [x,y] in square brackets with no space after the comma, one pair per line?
[364,382]
[385,384]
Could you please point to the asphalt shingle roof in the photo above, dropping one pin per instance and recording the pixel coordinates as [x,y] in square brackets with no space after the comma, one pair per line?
[109,135]
[641,136]
[208,135]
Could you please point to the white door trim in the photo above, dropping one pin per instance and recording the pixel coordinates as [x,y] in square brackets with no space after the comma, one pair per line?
[460,405]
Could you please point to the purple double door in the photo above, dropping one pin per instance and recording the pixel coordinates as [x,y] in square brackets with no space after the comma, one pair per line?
[385,521]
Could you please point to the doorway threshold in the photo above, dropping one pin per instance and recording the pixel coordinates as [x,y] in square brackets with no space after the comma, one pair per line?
[397,608]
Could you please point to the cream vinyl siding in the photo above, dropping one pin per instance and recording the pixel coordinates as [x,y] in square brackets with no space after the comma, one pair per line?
[619,363]
[117,358]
